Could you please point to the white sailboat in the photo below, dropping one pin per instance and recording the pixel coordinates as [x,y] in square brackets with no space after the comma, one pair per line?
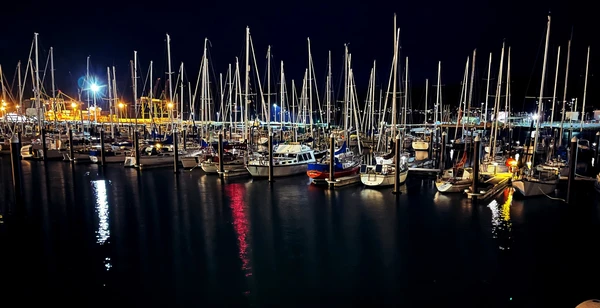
[534,182]
[384,172]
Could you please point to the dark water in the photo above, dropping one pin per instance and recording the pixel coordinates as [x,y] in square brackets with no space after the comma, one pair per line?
[120,237]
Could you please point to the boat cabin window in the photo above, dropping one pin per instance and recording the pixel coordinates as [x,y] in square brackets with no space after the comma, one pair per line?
[300,158]
[379,168]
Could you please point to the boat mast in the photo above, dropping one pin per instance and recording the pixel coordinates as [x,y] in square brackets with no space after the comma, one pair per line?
[555,83]
[282,97]
[231,99]
[539,112]
[346,80]
[53,85]
[294,110]
[269,88]
[469,102]
[151,94]
[108,84]
[426,98]
[247,84]
[462,101]
[487,93]
[181,94]
[135,98]
[87,85]
[310,92]
[494,133]
[394,83]
[20,85]
[562,120]
[405,95]
[191,110]
[169,73]
[114,88]
[222,104]
[587,67]
[239,97]
[37,84]
[328,90]
[372,118]
[437,95]
[507,95]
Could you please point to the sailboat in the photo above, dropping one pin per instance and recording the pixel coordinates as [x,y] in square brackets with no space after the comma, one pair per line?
[383,172]
[346,163]
[455,179]
[534,182]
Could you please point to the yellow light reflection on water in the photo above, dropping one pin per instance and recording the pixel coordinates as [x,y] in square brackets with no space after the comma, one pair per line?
[103,233]
[501,223]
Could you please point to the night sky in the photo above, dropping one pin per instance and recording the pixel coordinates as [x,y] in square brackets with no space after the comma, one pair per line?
[430,31]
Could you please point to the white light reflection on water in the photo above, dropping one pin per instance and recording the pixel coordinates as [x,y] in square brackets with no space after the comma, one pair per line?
[103,233]
[501,223]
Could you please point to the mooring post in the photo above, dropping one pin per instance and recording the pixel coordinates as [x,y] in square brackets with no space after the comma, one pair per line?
[331,160]
[572,166]
[176,152]
[221,154]
[136,148]
[431,143]
[443,151]
[510,141]
[475,163]
[397,147]
[71,150]
[17,173]
[270,156]
[44,150]
[597,156]
[102,155]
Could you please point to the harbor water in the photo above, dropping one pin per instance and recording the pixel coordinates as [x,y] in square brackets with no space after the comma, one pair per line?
[96,236]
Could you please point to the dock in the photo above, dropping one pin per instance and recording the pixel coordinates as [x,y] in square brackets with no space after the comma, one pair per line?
[499,184]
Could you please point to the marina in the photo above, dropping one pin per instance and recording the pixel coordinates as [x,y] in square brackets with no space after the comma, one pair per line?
[154,184]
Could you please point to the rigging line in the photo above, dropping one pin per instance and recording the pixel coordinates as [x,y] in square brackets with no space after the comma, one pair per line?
[211,67]
[27,68]
[45,69]
[146,81]
[551,198]
[12,85]
[537,56]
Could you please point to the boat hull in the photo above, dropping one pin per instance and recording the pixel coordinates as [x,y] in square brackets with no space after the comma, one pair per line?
[527,188]
[278,170]
[213,168]
[108,159]
[148,161]
[381,180]
[318,174]
[445,186]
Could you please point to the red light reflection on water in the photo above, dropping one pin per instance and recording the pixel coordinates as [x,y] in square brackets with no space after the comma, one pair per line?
[236,193]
